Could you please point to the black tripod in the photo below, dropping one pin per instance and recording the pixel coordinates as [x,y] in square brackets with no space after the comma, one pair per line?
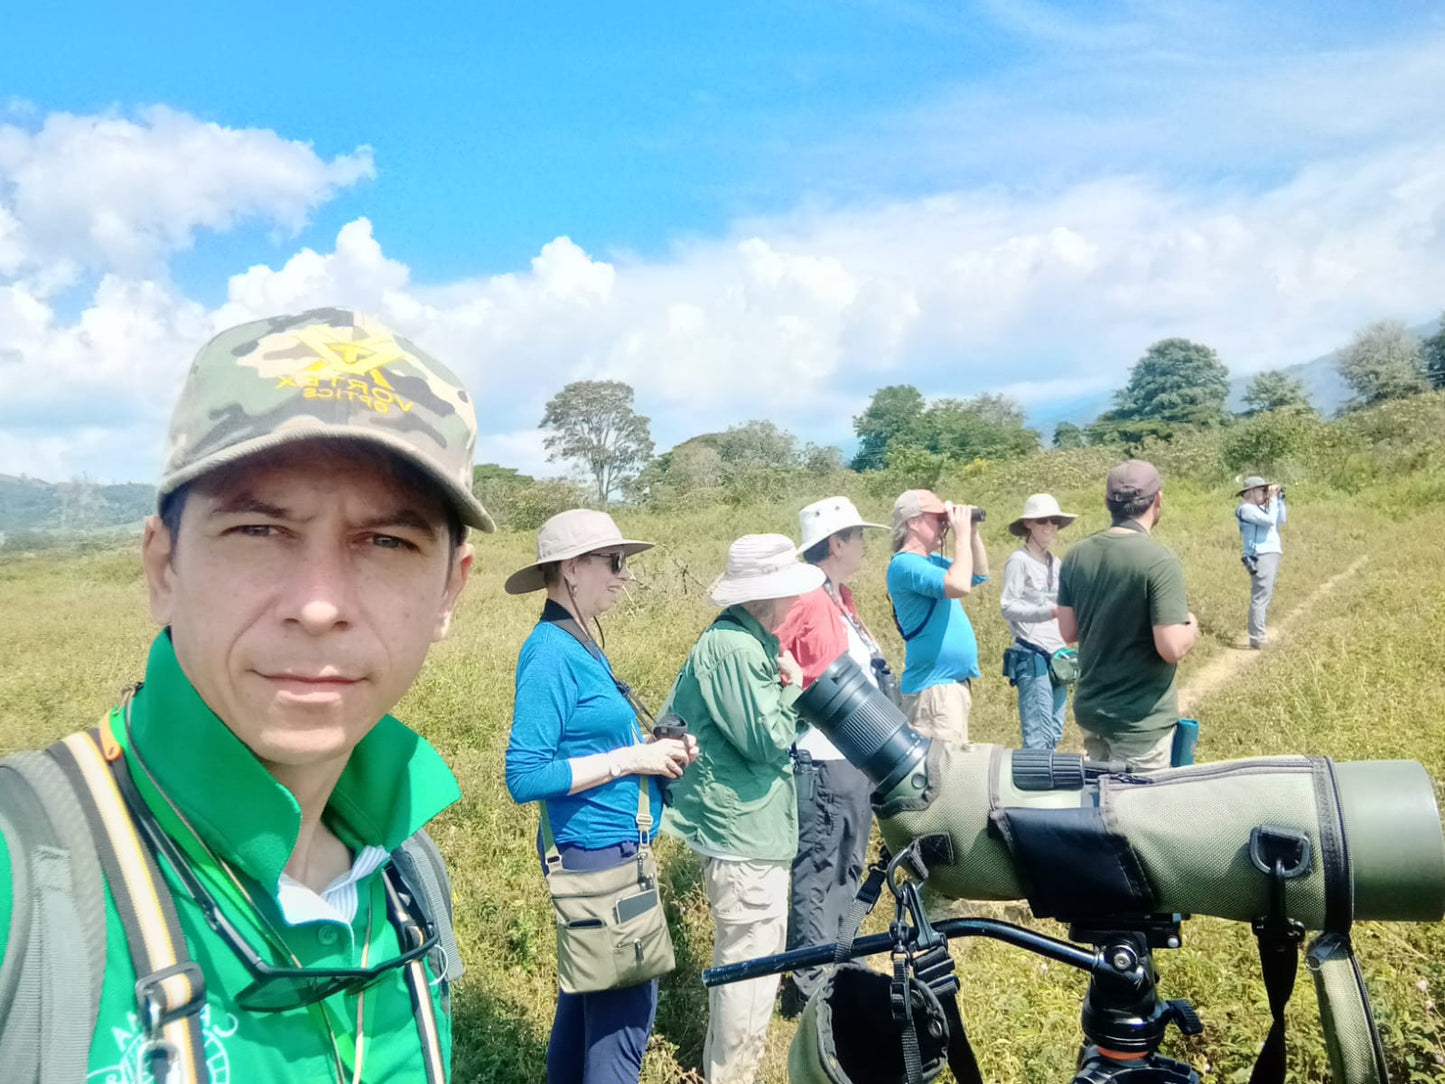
[1123,1018]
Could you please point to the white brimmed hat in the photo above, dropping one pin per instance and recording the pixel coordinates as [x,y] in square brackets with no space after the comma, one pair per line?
[825,518]
[762,566]
[571,534]
[1040,506]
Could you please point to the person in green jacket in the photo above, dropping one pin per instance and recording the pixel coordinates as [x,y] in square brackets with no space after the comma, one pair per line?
[737,806]
[310,546]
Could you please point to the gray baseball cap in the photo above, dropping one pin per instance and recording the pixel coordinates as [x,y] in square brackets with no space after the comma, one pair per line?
[1131,480]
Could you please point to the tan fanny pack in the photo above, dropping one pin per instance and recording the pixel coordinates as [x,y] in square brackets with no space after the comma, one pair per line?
[611,926]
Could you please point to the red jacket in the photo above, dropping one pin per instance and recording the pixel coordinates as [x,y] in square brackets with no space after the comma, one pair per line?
[814,631]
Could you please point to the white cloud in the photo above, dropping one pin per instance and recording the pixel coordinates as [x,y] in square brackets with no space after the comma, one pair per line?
[1046,289]
[114,192]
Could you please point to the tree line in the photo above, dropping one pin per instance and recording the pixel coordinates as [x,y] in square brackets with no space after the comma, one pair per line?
[1176,386]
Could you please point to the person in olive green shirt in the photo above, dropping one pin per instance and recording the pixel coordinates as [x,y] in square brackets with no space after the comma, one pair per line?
[1121,597]
[310,546]
[737,806]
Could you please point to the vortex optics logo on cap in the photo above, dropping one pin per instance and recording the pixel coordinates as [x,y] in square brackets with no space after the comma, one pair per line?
[339,365]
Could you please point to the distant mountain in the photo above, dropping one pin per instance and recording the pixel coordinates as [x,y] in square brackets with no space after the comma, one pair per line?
[1327,389]
[28,504]
[1321,378]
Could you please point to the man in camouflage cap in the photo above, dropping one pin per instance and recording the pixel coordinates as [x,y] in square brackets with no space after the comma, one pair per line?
[309,547]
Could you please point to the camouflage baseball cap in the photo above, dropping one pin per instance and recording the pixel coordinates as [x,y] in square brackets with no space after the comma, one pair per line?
[327,373]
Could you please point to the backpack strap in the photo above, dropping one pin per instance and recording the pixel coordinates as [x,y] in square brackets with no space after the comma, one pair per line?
[54,961]
[425,872]
[170,989]
[932,606]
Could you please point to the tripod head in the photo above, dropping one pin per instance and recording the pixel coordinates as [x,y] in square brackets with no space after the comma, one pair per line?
[1123,1018]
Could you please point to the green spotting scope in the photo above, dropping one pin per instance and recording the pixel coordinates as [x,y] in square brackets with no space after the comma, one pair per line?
[1086,842]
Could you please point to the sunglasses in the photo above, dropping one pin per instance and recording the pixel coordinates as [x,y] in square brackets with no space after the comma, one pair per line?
[280,989]
[615,561]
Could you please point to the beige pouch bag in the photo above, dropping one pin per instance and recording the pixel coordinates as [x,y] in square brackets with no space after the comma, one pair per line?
[611,926]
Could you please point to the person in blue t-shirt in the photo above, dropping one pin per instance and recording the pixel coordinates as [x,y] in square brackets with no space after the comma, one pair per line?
[576,747]
[925,586]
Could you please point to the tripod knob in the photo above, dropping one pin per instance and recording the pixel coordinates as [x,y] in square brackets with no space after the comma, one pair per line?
[1184,1017]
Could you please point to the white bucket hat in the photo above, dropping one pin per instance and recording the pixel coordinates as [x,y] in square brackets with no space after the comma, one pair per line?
[1040,506]
[825,518]
[762,566]
[571,534]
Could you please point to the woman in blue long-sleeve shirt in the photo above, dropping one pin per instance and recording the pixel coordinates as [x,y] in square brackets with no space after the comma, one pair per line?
[576,747]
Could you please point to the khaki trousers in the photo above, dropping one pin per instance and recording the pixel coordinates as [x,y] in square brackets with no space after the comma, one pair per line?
[940,711]
[1147,752]
[750,918]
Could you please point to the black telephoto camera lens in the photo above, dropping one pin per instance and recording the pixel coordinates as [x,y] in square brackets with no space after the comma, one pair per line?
[979,515]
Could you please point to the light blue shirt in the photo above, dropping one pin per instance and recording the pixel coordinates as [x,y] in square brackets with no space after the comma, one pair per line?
[568,705]
[1259,526]
[945,648]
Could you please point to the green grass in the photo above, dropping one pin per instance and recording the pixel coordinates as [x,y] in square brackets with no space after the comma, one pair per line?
[1358,678]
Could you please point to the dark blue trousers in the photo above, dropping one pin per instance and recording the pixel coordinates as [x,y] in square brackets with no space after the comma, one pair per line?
[600,1038]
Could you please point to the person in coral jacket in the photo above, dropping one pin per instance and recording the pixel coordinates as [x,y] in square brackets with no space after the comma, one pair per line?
[834,817]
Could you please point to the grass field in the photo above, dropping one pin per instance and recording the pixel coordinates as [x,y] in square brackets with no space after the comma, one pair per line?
[1362,590]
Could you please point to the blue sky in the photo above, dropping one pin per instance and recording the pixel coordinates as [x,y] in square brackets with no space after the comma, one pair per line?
[745,210]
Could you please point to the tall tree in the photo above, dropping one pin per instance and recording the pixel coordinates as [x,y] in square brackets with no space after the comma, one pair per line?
[984,427]
[593,424]
[1275,390]
[1382,362]
[1432,356]
[893,414]
[757,445]
[1068,435]
[1176,384]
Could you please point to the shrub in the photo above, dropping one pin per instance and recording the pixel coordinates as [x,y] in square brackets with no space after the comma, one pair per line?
[1266,441]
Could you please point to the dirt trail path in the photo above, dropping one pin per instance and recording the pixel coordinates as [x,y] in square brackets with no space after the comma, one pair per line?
[1233,661]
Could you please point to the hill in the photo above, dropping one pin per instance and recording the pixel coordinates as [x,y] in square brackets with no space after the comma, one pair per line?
[29,504]
[1321,378]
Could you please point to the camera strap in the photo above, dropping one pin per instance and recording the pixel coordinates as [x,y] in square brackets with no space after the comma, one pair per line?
[554,614]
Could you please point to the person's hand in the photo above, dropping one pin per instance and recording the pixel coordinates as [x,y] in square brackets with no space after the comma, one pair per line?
[660,756]
[788,669]
[960,518]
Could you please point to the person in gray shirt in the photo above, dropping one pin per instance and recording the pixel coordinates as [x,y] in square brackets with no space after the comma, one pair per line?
[1029,601]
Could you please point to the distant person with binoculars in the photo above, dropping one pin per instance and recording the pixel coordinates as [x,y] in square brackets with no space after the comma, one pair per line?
[1260,514]
[1029,601]
[926,587]
[737,808]
[834,817]
[1121,597]
[577,749]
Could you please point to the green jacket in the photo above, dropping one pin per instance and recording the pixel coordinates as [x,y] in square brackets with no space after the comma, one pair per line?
[737,800]
[393,784]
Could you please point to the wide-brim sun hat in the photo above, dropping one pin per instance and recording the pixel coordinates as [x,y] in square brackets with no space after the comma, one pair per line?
[571,534]
[1254,481]
[1040,506]
[764,566]
[825,518]
[326,374]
